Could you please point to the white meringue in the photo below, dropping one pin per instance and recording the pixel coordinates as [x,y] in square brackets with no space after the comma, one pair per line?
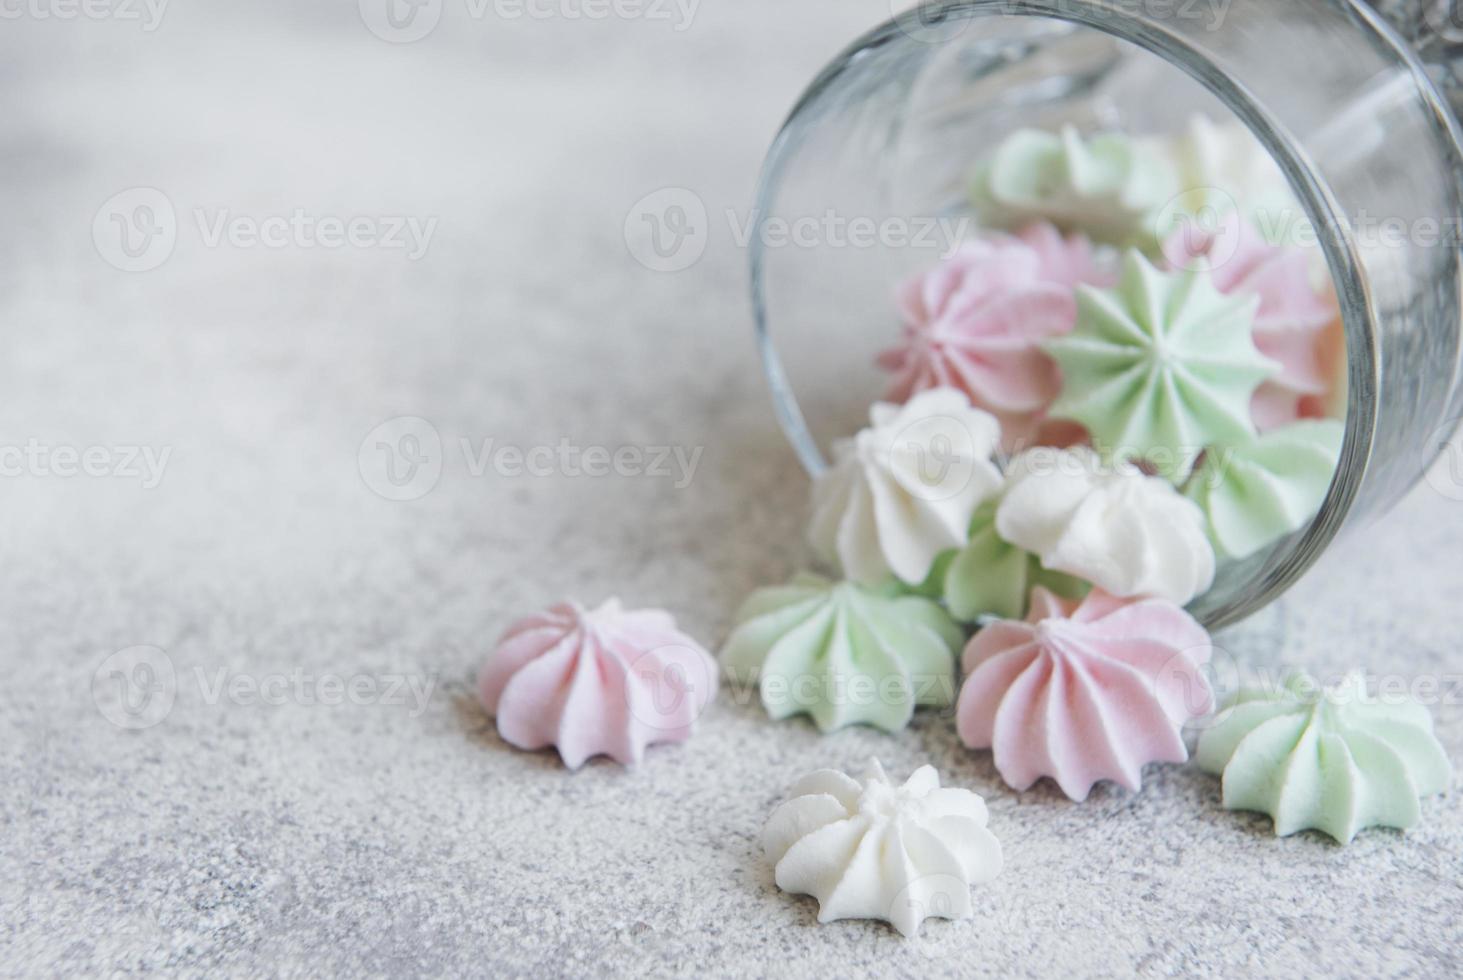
[872,850]
[1125,532]
[1224,167]
[903,490]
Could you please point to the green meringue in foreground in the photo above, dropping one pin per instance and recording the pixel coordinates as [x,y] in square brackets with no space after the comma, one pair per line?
[992,577]
[1254,495]
[1160,367]
[1335,760]
[844,653]
[1108,186]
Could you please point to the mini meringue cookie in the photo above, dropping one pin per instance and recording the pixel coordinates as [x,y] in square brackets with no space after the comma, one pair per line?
[606,681]
[1336,761]
[991,577]
[842,653]
[1107,186]
[1254,495]
[872,850]
[1127,533]
[903,490]
[975,323]
[1160,367]
[1291,319]
[1224,168]
[1084,692]
[1068,260]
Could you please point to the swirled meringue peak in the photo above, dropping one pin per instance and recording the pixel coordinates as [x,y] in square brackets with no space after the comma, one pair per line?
[871,849]
[992,577]
[1291,319]
[975,323]
[1254,495]
[1107,523]
[903,490]
[1336,760]
[1108,187]
[1084,692]
[1160,367]
[843,653]
[607,681]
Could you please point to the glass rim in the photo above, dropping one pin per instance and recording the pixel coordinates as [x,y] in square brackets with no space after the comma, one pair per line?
[1293,557]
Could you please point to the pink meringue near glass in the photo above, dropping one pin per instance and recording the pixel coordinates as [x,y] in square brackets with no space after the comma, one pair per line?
[976,323]
[1081,692]
[606,681]
[1292,319]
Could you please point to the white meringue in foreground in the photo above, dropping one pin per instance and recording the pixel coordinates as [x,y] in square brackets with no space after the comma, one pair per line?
[872,850]
[1127,533]
[904,489]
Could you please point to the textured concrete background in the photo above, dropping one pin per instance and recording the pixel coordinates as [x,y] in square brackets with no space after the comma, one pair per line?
[400,835]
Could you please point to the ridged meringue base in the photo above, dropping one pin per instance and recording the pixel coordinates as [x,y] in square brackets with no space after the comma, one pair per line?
[869,849]
[1336,761]
[606,681]
[843,653]
[1084,692]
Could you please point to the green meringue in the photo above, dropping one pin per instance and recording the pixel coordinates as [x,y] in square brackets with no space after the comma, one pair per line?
[1254,495]
[992,577]
[1161,367]
[844,653]
[1108,187]
[1336,761]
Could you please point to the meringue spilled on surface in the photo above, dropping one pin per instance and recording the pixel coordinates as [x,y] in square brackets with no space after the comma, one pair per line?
[871,849]
[1335,760]
[605,681]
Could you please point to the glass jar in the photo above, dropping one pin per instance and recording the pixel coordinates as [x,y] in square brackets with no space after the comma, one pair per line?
[886,135]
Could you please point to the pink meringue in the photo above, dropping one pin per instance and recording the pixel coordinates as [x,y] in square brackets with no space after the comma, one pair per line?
[1084,692]
[976,321]
[1290,325]
[1067,260]
[602,682]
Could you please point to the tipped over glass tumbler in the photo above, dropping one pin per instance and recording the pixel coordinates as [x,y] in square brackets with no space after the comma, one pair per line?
[874,161]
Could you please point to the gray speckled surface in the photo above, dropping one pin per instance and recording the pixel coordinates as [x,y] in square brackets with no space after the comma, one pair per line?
[297,838]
